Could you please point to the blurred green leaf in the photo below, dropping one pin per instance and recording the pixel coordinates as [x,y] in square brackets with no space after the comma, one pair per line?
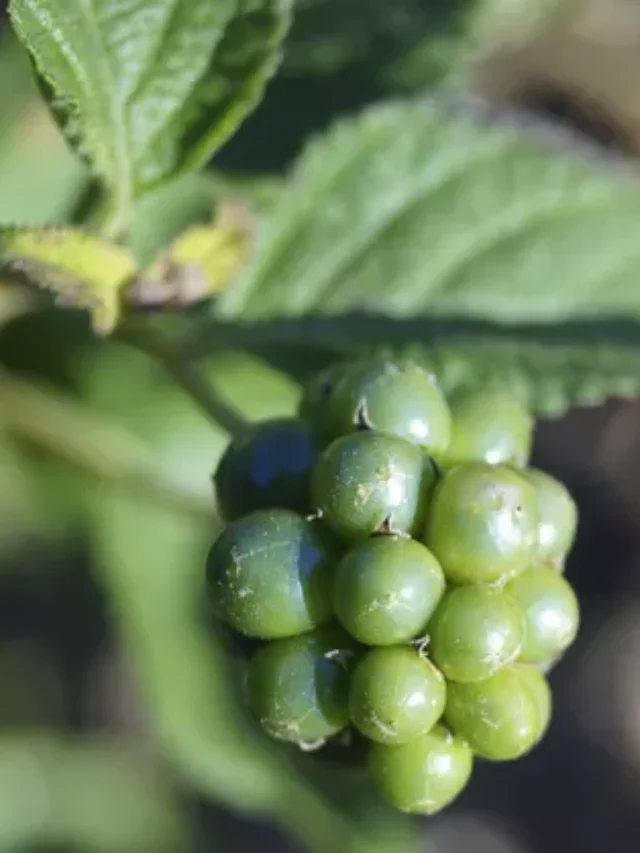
[40,178]
[80,269]
[125,385]
[40,500]
[137,430]
[98,447]
[21,510]
[96,795]
[148,88]
[328,35]
[431,210]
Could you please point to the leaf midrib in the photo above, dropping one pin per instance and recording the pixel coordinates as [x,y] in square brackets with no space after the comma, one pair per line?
[148,71]
[171,116]
[326,280]
[123,190]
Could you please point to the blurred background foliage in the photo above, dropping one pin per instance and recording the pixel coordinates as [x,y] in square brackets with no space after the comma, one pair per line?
[111,739]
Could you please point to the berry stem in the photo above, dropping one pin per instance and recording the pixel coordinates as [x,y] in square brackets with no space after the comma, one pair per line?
[187,375]
[104,450]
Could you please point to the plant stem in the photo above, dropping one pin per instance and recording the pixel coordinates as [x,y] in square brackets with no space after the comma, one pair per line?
[186,374]
[336,335]
[101,449]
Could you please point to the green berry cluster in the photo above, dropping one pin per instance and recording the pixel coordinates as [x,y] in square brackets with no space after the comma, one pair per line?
[402,570]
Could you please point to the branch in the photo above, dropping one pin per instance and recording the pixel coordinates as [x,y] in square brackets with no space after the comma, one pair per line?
[104,450]
[186,374]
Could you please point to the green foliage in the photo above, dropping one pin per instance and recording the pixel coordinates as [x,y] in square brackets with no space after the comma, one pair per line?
[80,269]
[91,794]
[41,180]
[86,272]
[548,376]
[416,208]
[19,501]
[497,257]
[421,209]
[147,88]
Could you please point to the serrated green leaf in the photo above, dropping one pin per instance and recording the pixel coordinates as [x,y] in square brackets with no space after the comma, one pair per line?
[548,378]
[437,210]
[551,368]
[148,87]
[415,208]
[80,269]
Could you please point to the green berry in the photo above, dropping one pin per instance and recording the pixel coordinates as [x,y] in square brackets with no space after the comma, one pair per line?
[551,612]
[501,717]
[298,687]
[474,632]
[489,427]
[315,404]
[396,695]
[368,483]
[548,665]
[425,775]
[267,468]
[386,589]
[558,517]
[270,574]
[540,690]
[482,523]
[398,398]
